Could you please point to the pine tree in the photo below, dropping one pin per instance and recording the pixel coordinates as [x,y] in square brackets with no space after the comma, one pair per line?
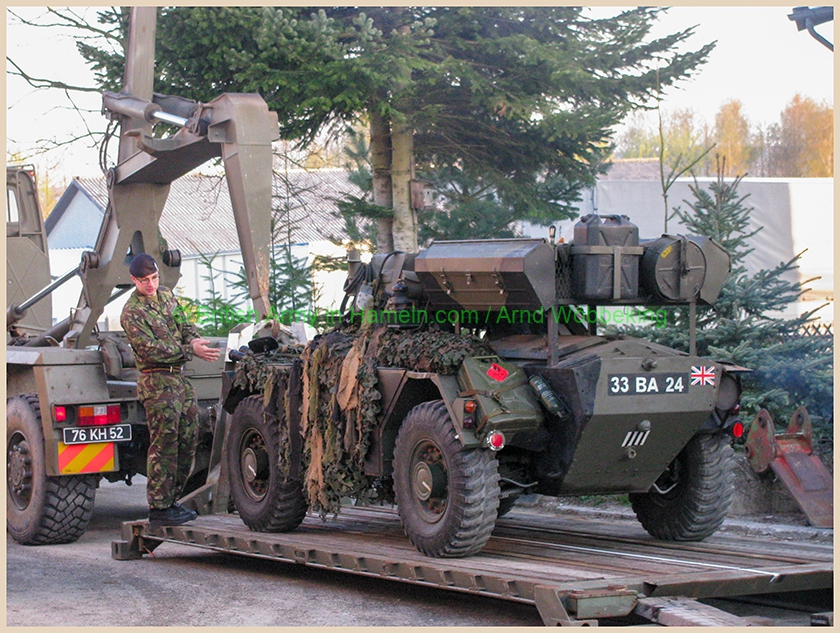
[526,97]
[213,314]
[360,214]
[290,291]
[788,368]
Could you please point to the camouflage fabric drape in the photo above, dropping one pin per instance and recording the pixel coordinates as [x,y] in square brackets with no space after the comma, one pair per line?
[341,399]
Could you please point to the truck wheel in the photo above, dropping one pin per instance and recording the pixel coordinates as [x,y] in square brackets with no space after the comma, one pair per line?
[40,510]
[266,501]
[446,495]
[689,500]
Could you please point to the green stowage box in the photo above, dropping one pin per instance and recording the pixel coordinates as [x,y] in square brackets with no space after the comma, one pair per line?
[509,405]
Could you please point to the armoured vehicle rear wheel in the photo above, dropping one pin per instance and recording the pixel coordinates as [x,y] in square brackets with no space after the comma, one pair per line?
[40,510]
[446,495]
[690,499]
[265,499]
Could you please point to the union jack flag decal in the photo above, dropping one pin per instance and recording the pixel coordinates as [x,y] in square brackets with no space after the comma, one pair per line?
[702,375]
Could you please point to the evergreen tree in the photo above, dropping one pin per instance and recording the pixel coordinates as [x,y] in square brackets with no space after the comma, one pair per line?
[468,207]
[361,215]
[523,98]
[788,368]
[291,293]
[213,314]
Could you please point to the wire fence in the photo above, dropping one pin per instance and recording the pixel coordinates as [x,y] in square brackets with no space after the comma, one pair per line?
[817,328]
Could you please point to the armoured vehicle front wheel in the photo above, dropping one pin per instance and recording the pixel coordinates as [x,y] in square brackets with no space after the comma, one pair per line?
[40,510]
[265,499]
[690,499]
[446,495]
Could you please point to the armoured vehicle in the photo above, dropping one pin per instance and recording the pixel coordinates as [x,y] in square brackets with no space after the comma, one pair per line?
[472,372]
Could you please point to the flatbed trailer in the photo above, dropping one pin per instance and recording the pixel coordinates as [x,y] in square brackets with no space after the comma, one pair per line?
[574,571]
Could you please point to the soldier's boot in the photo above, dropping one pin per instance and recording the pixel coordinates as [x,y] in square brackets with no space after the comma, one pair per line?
[173,515]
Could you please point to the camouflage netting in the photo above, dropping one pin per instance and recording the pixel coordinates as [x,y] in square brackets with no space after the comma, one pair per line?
[342,401]
[252,372]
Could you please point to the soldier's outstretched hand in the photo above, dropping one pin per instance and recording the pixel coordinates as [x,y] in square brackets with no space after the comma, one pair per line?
[204,352]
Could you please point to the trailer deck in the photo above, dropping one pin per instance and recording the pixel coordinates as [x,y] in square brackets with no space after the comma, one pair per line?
[575,571]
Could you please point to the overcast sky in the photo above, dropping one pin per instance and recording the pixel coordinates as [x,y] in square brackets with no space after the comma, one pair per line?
[760,59]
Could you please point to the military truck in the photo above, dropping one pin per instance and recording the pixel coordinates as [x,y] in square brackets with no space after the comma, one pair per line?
[472,372]
[72,415]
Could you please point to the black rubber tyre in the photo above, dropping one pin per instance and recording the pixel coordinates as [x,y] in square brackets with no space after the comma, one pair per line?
[696,491]
[265,500]
[446,495]
[40,510]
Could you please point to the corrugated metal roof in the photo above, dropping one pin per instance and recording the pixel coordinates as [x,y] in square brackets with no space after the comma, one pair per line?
[198,217]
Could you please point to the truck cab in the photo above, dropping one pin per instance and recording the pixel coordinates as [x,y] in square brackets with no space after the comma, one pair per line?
[27,257]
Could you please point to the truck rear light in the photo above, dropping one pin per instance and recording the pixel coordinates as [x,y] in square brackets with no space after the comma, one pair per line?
[737,429]
[60,413]
[99,414]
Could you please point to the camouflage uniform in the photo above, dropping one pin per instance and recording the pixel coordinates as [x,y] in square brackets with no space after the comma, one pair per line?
[160,332]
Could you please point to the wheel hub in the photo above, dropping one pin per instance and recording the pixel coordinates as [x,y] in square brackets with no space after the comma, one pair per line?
[19,473]
[254,466]
[429,481]
[249,465]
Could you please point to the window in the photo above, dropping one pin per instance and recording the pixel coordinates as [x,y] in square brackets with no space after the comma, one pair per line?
[11,206]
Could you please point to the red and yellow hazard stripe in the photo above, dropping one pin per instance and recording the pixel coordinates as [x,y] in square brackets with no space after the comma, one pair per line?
[86,458]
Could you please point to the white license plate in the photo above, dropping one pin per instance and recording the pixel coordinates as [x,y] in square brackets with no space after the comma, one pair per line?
[90,434]
[648,384]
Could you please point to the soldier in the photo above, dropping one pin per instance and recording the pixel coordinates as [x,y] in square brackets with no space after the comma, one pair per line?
[163,340]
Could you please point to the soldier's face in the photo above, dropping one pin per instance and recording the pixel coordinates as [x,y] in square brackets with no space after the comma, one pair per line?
[148,285]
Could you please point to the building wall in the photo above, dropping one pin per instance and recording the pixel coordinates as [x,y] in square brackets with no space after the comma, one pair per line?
[78,226]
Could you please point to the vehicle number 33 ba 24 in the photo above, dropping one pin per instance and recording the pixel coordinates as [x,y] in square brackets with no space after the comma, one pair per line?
[652,384]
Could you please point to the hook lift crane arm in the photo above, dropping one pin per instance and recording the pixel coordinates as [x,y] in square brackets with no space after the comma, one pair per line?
[239,128]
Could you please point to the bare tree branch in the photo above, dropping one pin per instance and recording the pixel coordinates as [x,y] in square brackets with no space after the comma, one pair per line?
[79,112]
[43,84]
[44,146]
[70,19]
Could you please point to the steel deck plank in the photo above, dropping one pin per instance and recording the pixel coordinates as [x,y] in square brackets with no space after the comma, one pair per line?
[565,556]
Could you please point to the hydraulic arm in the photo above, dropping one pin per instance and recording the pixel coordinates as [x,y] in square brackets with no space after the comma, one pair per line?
[236,127]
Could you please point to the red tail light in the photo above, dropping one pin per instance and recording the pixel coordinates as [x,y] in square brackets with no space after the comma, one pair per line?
[737,429]
[469,408]
[99,414]
[60,413]
[496,441]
